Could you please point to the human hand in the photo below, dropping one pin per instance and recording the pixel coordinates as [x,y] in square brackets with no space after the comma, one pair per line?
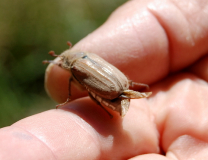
[162,43]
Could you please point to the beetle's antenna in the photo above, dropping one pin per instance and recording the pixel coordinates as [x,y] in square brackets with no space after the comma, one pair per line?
[52,53]
[47,61]
[50,61]
[69,44]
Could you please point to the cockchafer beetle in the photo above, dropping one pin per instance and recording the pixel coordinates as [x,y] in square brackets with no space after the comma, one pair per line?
[106,85]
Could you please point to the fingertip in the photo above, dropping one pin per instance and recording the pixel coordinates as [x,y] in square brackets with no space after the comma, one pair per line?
[56,83]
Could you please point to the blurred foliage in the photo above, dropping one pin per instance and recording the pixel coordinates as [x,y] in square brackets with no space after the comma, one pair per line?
[28,30]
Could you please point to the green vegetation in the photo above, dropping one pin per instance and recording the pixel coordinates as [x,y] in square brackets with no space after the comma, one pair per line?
[28,30]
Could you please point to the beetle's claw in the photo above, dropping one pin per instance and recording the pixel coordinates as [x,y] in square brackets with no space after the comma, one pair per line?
[67,101]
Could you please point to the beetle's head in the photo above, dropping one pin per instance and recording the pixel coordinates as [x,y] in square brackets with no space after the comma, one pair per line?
[66,59]
[69,57]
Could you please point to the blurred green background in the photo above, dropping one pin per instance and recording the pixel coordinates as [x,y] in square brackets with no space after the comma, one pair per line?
[28,30]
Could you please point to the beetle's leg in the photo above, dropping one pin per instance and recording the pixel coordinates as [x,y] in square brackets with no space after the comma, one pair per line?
[111,116]
[68,100]
[50,61]
[124,107]
[130,94]
[119,105]
[132,84]
[69,96]
[70,80]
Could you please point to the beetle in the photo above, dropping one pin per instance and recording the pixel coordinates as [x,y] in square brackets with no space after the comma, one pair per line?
[106,84]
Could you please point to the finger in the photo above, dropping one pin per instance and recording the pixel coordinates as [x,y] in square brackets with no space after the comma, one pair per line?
[57,84]
[200,68]
[187,32]
[86,132]
[146,40]
[149,157]
[180,108]
[188,147]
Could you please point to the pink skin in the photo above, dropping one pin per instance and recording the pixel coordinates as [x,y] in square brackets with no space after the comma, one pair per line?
[147,40]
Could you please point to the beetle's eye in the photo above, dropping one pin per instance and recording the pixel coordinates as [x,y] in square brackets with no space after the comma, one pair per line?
[84,57]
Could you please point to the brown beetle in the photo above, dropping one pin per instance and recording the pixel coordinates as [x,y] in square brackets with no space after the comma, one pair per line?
[106,85]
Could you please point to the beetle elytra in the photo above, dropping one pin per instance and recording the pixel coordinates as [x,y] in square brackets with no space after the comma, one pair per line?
[106,85]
